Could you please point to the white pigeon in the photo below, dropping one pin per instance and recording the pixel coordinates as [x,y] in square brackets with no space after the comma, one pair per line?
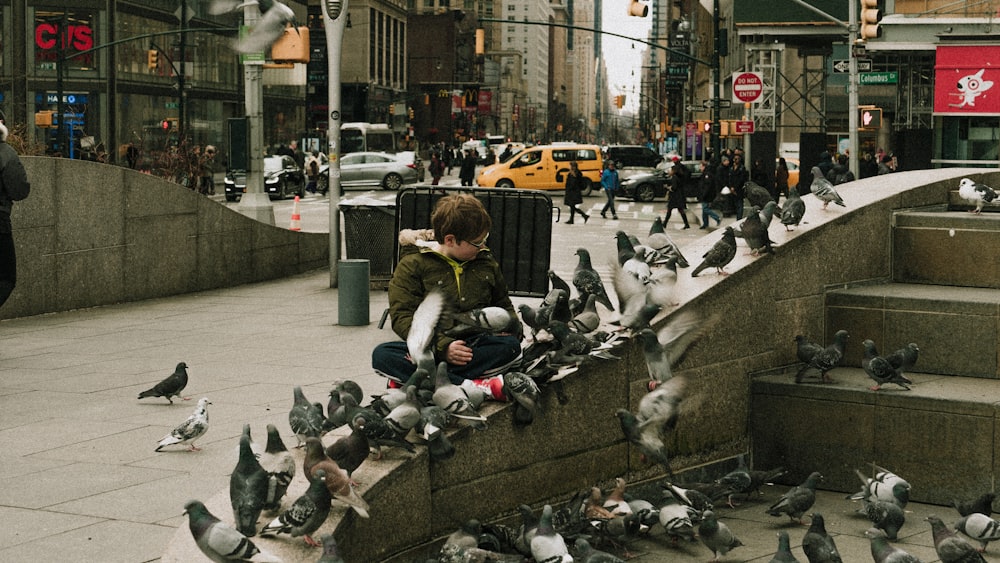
[190,430]
[637,265]
[977,193]
[420,340]
[274,17]
[823,189]
[979,527]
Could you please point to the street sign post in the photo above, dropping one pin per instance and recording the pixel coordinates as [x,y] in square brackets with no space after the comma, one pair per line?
[891,77]
[744,127]
[748,87]
[843,66]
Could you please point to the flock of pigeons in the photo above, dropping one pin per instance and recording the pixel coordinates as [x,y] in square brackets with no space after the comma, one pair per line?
[818,360]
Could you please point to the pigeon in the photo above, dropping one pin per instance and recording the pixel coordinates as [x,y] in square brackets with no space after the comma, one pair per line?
[526,531]
[754,232]
[558,282]
[637,266]
[433,419]
[615,501]
[306,514]
[248,488]
[305,418]
[336,479]
[219,542]
[720,254]
[950,547]
[716,536]
[665,248]
[884,552]
[823,189]
[588,282]
[485,320]
[640,302]
[330,552]
[757,195]
[978,194]
[586,553]
[825,360]
[626,250]
[744,481]
[420,339]
[784,553]
[979,527]
[665,348]
[548,545]
[349,451]
[794,209]
[885,485]
[805,350]
[692,497]
[593,506]
[587,320]
[171,386]
[818,546]
[274,17]
[378,430]
[532,317]
[656,417]
[798,499]
[677,522]
[880,370]
[406,415]
[555,307]
[279,464]
[190,430]
[982,504]
[467,535]
[454,400]
[523,390]
[885,515]
[767,213]
[904,358]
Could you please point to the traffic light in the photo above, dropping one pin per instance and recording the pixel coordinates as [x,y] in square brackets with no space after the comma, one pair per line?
[409,112]
[152,59]
[480,42]
[871,118]
[637,9]
[870,16]
[165,125]
[704,126]
[44,118]
[620,101]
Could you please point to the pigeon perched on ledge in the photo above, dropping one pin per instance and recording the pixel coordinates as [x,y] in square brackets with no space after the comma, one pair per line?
[823,189]
[976,193]
[218,541]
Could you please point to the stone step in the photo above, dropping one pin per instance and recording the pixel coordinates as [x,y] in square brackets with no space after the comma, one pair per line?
[956,328]
[940,436]
[947,248]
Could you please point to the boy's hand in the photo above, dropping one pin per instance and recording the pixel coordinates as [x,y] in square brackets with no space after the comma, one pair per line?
[458,353]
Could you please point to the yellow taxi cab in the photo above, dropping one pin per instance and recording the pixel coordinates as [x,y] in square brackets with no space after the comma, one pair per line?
[544,167]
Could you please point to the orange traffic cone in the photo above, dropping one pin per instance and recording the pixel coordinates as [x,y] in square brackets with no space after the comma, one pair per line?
[296,224]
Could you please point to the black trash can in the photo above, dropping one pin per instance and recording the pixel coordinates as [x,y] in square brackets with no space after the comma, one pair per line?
[370,234]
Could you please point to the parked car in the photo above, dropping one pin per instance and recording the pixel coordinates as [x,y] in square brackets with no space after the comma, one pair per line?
[647,186]
[377,169]
[631,156]
[282,177]
[412,159]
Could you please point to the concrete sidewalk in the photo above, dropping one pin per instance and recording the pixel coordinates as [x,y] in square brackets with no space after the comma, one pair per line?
[80,480]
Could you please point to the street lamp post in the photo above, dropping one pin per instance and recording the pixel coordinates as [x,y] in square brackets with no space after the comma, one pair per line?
[254,203]
[335,21]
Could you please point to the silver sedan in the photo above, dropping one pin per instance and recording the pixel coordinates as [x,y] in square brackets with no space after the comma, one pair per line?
[366,169]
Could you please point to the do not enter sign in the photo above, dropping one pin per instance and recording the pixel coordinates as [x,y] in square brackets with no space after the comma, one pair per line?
[748,87]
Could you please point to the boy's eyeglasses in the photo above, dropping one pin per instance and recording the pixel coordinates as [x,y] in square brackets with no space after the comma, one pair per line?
[481,243]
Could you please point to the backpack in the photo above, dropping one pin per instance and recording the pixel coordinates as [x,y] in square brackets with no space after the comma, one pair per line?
[313,167]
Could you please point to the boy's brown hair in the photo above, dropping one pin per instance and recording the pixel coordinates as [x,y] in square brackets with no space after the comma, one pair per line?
[461,215]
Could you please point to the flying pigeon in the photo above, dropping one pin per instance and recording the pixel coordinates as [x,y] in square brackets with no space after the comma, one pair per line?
[978,194]
[248,488]
[880,370]
[825,360]
[171,386]
[720,254]
[656,417]
[755,233]
[884,552]
[336,479]
[305,418]
[330,552]
[818,545]
[640,302]
[279,464]
[904,358]
[190,430]
[983,504]
[637,266]
[306,514]
[548,545]
[823,189]
[794,209]
[664,349]
[798,499]
[275,16]
[588,282]
[423,327]
[784,553]
[716,536]
[219,542]
[950,547]
[979,527]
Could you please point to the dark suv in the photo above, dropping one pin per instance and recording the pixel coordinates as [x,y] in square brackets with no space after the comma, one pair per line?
[626,156]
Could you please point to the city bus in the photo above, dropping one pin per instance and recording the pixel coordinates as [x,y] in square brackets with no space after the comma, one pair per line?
[361,137]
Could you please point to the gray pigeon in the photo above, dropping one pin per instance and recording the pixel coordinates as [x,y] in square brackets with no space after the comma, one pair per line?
[767,213]
[640,302]
[305,418]
[190,430]
[665,248]
[757,195]
[884,552]
[755,233]
[978,194]
[805,350]
[664,349]
[248,487]
[720,254]
[745,481]
[275,16]
[558,282]
[467,535]
[433,420]
[885,485]
[548,545]
[676,519]
[637,266]
[983,504]
[585,553]
[656,417]
[716,535]
[454,400]
[586,320]
[825,360]
[823,189]
[818,545]
[979,527]
[378,430]
[405,415]
[306,514]
[951,547]
[794,209]
[885,515]
[330,552]
[798,500]
[880,370]
[902,360]
[588,282]
[171,386]
[784,553]
[219,542]
[279,464]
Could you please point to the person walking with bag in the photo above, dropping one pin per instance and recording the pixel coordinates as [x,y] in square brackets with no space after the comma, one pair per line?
[709,191]
[610,183]
[14,186]
[575,182]
[676,199]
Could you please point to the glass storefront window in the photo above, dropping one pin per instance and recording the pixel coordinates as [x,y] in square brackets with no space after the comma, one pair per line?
[968,141]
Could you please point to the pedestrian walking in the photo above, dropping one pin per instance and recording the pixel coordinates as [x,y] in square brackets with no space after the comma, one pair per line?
[709,191]
[738,178]
[436,168]
[467,173]
[781,178]
[14,186]
[575,183]
[679,177]
[610,184]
